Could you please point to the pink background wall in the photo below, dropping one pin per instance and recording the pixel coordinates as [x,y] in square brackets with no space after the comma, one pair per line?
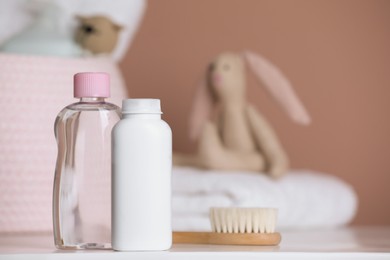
[336,53]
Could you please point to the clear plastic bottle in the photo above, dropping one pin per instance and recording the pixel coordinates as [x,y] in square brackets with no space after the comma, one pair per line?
[82,184]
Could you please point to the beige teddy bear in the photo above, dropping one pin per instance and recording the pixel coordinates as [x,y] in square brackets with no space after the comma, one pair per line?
[97,34]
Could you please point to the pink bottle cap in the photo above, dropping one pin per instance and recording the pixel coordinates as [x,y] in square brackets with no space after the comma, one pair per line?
[91,84]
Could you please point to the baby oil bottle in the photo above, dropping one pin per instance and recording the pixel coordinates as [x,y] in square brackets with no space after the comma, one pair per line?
[82,184]
[141,178]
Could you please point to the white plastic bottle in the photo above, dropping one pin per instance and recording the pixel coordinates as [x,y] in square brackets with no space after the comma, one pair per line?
[141,178]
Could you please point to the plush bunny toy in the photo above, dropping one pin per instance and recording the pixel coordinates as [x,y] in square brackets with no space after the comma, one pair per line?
[231,134]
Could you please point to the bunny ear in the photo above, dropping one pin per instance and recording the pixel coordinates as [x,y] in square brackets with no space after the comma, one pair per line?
[201,109]
[279,87]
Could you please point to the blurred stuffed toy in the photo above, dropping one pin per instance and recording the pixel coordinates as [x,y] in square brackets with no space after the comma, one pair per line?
[75,28]
[97,34]
[231,134]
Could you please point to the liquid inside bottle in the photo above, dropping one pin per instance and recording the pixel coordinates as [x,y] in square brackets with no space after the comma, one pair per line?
[82,184]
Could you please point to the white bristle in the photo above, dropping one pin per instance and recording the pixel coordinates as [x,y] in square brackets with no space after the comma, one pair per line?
[248,220]
[217,222]
[255,218]
[269,217]
[263,220]
[211,216]
[235,220]
[229,221]
[243,220]
[223,220]
[273,213]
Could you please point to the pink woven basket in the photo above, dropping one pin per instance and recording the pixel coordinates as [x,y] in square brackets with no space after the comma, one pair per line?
[32,91]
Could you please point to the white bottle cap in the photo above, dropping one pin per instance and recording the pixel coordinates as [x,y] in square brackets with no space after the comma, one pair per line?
[141,106]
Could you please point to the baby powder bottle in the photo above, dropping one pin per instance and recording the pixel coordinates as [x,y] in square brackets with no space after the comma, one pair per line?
[141,178]
[82,184]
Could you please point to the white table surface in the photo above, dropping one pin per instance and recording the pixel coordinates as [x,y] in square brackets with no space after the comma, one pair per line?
[343,243]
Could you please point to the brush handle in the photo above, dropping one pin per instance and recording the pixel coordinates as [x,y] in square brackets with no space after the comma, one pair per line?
[259,239]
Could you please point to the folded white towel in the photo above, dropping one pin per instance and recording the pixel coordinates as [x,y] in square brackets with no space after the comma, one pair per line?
[305,198]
